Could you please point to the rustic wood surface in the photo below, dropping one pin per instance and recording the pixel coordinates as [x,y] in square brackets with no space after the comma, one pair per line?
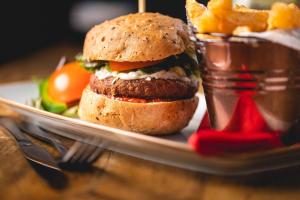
[116,176]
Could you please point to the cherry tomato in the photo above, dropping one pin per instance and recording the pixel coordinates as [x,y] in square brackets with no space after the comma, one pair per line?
[67,83]
[124,66]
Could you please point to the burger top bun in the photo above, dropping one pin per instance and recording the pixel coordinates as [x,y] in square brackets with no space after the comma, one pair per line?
[137,37]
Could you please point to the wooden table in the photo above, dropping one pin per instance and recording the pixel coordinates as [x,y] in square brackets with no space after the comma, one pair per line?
[116,176]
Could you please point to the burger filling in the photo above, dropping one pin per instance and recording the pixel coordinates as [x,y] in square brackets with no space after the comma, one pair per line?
[171,79]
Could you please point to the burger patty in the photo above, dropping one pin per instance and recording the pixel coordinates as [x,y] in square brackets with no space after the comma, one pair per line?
[146,89]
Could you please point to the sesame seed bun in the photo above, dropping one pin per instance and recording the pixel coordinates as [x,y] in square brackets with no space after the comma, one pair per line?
[137,37]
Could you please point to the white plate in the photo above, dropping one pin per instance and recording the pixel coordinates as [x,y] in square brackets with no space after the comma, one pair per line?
[171,150]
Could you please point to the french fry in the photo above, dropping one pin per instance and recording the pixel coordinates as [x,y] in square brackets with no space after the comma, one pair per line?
[241,29]
[194,11]
[256,20]
[220,7]
[203,19]
[213,22]
[210,23]
[221,17]
[284,16]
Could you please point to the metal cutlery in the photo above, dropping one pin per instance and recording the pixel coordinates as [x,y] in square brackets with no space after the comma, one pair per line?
[83,153]
[39,133]
[80,155]
[30,151]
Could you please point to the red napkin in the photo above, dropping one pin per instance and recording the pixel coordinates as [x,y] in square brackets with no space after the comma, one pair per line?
[246,131]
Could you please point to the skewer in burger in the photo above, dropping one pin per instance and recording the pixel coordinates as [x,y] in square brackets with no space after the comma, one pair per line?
[145,74]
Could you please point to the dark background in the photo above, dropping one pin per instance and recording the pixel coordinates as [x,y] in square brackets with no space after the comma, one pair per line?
[30,25]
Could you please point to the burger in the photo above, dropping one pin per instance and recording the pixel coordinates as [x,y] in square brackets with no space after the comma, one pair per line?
[145,74]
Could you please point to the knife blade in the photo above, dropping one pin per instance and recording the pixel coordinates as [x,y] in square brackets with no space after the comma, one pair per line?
[35,131]
[30,151]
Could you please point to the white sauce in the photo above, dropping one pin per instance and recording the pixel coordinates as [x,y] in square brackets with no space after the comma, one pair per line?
[175,73]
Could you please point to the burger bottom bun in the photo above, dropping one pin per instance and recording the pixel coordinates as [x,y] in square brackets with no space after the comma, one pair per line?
[156,118]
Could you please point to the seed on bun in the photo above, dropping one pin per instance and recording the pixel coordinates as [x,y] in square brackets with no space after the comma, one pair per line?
[145,74]
[137,37]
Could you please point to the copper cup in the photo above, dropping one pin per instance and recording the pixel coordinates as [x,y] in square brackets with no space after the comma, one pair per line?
[269,72]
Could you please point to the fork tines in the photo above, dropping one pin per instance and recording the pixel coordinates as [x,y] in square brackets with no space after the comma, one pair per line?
[83,154]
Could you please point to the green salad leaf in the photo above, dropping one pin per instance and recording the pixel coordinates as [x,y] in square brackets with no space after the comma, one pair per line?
[90,65]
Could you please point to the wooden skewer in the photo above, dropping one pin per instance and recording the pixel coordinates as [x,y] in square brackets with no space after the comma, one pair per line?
[142,6]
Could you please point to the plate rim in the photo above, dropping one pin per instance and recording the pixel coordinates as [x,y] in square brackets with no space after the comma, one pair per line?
[139,136]
[241,162]
[130,134]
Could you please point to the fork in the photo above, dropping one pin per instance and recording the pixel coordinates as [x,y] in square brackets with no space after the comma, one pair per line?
[83,154]
[80,155]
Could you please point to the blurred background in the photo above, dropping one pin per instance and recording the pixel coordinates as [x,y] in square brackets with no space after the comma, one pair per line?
[27,26]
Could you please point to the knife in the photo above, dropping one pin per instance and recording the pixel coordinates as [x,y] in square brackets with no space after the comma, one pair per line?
[35,131]
[30,151]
